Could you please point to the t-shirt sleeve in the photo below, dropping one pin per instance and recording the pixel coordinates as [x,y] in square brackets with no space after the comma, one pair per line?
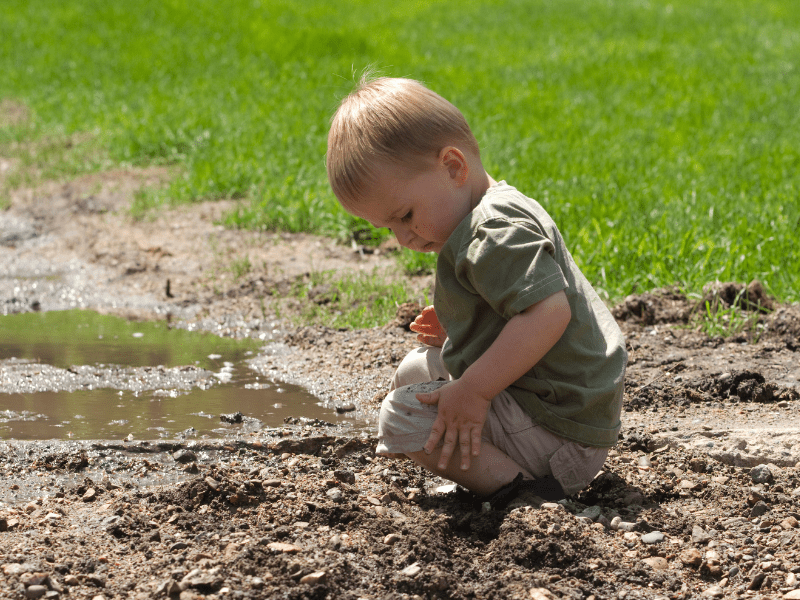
[511,265]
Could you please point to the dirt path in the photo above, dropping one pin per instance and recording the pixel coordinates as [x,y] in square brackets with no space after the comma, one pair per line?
[700,499]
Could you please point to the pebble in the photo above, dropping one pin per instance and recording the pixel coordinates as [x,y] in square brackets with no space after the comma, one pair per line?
[591,512]
[615,522]
[314,578]
[792,595]
[691,557]
[184,456]
[699,535]
[412,570]
[267,483]
[335,494]
[90,495]
[760,508]
[714,591]
[35,591]
[654,537]
[626,526]
[761,474]
[284,547]
[392,538]
[657,563]
[71,580]
[345,476]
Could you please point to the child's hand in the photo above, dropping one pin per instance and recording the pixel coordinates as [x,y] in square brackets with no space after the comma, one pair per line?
[462,413]
[431,332]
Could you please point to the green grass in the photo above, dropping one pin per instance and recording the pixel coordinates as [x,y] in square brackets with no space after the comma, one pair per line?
[354,301]
[663,136]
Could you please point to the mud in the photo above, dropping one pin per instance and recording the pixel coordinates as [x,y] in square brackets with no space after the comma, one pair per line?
[700,498]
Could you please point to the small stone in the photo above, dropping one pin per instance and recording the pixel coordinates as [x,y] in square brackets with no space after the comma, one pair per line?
[714,591]
[591,512]
[284,547]
[657,563]
[759,509]
[792,595]
[698,465]
[29,579]
[392,538]
[644,462]
[412,570]
[615,522]
[90,495]
[314,578]
[71,580]
[789,523]
[335,494]
[626,526]
[345,476]
[761,474]
[184,456]
[35,591]
[699,535]
[691,557]
[212,483]
[654,537]
[267,483]
[178,546]
[541,594]
[172,588]
[373,500]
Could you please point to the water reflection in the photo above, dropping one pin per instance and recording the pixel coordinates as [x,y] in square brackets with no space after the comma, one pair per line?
[114,414]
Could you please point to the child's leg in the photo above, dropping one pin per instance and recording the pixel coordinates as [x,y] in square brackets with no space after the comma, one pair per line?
[487,473]
[419,366]
[404,426]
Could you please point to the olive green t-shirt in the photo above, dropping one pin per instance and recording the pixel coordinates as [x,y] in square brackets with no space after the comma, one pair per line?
[505,256]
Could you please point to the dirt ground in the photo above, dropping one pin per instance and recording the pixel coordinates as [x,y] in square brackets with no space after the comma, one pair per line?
[699,499]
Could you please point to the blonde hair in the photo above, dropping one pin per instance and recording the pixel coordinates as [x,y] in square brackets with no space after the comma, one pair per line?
[389,121]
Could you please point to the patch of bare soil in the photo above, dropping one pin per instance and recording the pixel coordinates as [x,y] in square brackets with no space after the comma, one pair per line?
[700,498]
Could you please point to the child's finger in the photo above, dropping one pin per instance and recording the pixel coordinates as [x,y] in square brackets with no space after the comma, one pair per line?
[464,440]
[436,434]
[476,441]
[429,398]
[447,448]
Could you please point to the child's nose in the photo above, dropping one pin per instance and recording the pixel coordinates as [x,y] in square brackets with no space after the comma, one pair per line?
[404,235]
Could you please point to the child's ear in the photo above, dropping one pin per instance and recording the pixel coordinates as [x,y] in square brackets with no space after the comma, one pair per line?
[456,163]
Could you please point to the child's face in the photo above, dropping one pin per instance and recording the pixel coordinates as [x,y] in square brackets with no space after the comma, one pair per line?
[422,208]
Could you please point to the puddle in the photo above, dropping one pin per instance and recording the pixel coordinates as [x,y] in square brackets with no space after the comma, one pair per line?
[69,338]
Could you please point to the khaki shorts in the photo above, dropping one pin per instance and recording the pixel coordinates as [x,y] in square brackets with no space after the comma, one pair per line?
[405,424]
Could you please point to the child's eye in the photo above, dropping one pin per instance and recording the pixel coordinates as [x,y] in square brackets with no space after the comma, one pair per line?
[406,217]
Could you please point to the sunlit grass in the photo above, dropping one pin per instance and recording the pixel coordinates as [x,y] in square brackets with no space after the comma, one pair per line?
[356,301]
[663,136]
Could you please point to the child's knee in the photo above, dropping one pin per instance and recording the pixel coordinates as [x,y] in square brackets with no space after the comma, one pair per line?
[418,366]
[404,423]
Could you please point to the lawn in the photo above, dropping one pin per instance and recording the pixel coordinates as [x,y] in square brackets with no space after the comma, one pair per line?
[663,136]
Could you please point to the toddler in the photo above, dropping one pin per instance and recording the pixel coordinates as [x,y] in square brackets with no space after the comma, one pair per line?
[522,373]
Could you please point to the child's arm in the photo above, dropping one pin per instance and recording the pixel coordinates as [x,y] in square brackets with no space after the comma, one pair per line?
[464,403]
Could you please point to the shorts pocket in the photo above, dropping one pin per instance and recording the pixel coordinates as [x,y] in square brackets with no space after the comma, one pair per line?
[511,415]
